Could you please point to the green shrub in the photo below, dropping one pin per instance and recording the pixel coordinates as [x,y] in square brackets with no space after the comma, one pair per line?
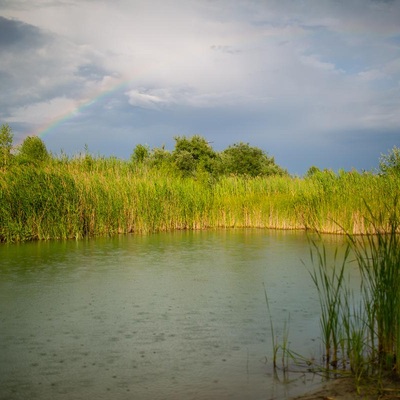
[33,150]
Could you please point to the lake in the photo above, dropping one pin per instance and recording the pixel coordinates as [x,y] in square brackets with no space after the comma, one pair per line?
[177,315]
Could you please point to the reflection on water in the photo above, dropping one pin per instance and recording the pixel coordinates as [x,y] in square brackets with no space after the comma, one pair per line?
[166,316]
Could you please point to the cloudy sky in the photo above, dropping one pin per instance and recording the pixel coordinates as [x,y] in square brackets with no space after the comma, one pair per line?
[311,82]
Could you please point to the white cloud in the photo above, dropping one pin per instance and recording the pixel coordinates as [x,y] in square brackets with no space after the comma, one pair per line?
[313,62]
[44,112]
[146,99]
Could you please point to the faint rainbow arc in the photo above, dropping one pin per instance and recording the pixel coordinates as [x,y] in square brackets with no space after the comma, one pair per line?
[43,130]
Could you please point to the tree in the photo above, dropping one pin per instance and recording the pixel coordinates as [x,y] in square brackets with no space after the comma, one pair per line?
[185,162]
[390,163]
[312,171]
[6,143]
[243,159]
[140,154]
[160,158]
[33,150]
[191,154]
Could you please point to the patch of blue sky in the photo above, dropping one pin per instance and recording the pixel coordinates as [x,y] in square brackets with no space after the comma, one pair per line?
[349,53]
[394,40]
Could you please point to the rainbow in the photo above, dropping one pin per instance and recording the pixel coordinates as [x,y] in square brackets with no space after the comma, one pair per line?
[45,129]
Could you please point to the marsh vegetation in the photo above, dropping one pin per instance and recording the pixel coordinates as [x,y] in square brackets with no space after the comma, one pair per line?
[361,330]
[43,196]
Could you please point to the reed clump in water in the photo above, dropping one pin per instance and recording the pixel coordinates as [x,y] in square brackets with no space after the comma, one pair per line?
[362,330]
[378,257]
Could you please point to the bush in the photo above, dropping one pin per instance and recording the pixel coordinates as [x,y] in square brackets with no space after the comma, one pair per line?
[390,163]
[33,150]
[243,159]
[6,141]
[140,154]
[191,154]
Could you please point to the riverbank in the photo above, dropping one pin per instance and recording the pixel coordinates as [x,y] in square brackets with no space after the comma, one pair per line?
[346,389]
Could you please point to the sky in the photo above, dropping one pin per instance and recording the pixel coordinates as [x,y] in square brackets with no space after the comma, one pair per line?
[310,82]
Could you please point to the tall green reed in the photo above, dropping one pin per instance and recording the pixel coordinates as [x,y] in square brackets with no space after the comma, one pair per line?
[35,204]
[329,279]
[378,257]
[362,330]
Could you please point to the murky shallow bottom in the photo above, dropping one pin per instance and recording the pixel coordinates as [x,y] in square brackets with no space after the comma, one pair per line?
[167,316]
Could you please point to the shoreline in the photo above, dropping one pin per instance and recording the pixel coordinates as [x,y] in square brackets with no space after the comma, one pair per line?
[338,389]
[345,389]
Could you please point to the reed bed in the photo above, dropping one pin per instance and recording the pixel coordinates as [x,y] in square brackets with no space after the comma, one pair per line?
[361,331]
[89,196]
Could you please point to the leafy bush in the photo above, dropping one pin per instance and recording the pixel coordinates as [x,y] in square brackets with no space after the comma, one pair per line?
[191,154]
[33,150]
[140,154]
[6,141]
[390,163]
[160,158]
[243,159]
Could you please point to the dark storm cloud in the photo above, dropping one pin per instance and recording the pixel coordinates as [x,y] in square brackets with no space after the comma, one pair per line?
[19,35]
[38,66]
[20,46]
[23,63]
[15,34]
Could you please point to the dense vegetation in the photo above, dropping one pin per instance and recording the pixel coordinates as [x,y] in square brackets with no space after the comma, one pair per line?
[361,331]
[43,196]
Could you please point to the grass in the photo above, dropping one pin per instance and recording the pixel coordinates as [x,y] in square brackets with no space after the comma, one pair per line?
[329,281]
[362,331]
[378,257]
[90,196]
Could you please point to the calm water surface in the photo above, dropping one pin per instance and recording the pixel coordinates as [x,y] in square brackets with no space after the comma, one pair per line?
[168,316]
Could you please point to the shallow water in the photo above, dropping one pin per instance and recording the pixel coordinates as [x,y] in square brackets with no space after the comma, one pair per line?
[165,316]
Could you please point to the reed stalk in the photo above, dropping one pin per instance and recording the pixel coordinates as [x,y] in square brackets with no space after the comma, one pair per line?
[275,346]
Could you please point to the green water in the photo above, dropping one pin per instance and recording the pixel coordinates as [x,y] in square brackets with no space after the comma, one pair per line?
[168,316]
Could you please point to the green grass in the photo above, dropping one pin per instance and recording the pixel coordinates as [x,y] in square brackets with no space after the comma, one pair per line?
[90,196]
[329,281]
[363,331]
[378,257]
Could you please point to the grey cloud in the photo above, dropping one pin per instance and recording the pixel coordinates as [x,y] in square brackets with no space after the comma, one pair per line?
[37,66]
[28,5]
[359,16]
[19,41]
[16,33]
[92,72]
